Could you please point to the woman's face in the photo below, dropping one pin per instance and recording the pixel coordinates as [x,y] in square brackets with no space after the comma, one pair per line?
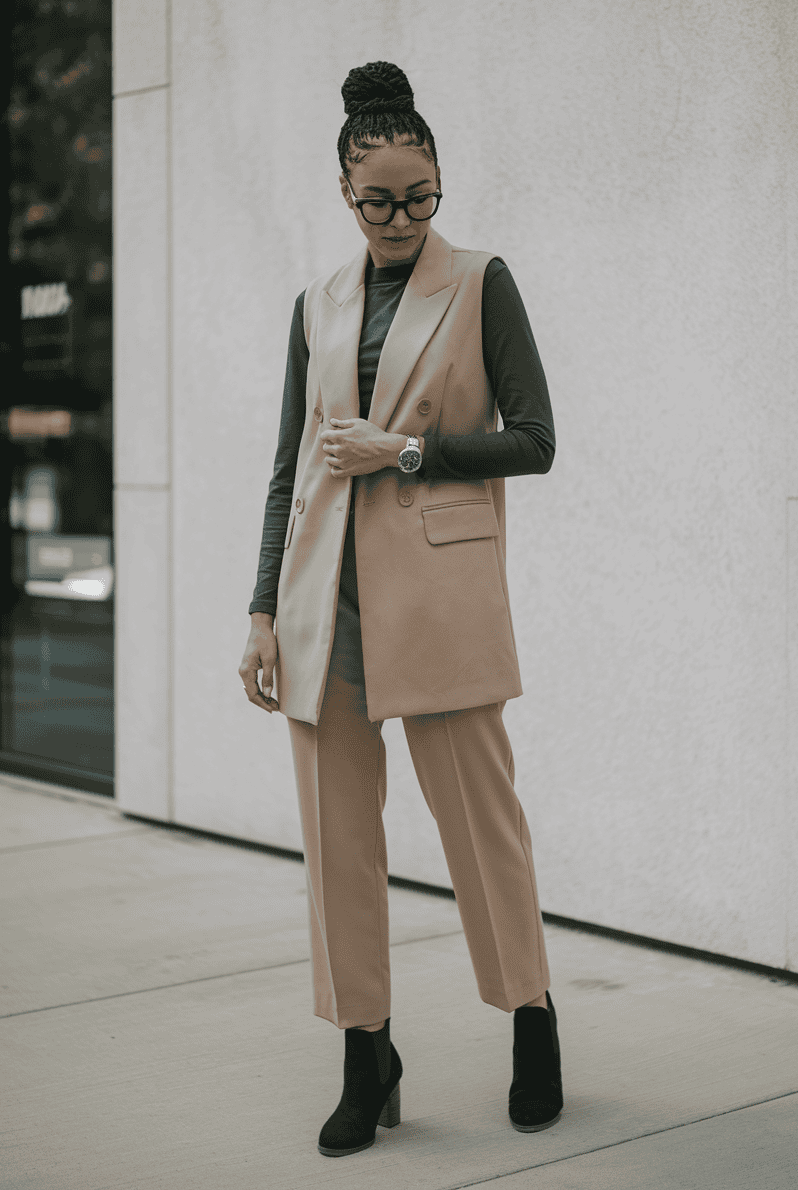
[392,171]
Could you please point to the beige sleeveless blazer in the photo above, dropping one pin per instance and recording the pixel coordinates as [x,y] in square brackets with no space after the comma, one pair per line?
[434,607]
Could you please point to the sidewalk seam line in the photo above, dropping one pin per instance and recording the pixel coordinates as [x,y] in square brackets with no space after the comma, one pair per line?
[140,90]
[182,983]
[66,842]
[625,1141]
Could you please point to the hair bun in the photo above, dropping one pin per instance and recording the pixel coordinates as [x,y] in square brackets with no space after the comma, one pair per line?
[377,87]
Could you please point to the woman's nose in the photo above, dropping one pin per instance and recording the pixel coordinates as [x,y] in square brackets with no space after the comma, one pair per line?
[401,219]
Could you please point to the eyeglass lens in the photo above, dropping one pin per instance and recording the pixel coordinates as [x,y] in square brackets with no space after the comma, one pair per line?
[376,211]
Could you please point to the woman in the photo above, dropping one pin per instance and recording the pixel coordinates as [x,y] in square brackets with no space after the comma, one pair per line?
[383,558]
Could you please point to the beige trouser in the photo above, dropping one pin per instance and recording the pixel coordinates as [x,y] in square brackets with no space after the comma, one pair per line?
[464,764]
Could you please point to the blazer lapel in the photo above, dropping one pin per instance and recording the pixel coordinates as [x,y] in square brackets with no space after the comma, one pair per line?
[423,304]
[339,322]
[340,319]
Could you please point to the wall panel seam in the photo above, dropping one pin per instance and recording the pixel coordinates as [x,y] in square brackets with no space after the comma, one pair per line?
[170,660]
[791,630]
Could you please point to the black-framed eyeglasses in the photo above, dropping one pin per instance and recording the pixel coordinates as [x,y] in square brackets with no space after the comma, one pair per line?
[382,210]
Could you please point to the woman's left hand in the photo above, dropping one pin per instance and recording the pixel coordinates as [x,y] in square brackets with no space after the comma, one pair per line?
[357,447]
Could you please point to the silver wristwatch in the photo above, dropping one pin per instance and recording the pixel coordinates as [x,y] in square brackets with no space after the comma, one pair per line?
[410,457]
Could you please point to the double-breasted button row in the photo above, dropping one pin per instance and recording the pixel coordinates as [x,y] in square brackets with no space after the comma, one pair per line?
[424,406]
[317,413]
[299,504]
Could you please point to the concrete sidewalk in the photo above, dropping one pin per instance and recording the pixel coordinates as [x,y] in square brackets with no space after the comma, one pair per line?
[158,1032]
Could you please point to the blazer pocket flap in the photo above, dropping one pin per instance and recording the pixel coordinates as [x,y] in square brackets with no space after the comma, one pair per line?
[460,522]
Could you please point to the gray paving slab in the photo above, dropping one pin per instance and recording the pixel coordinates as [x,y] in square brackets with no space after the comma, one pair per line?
[29,820]
[141,907]
[755,1148]
[225,1077]
[228,1080]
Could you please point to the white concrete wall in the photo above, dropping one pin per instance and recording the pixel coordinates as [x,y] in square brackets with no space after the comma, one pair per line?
[632,163]
[142,407]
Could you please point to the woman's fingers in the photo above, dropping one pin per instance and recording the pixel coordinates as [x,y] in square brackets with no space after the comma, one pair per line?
[254,693]
[248,672]
[332,459]
[260,700]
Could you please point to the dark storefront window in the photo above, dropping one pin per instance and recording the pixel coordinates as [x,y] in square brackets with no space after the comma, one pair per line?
[56,481]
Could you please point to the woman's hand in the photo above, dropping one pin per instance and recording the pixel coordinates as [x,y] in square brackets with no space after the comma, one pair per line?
[358,447]
[260,653]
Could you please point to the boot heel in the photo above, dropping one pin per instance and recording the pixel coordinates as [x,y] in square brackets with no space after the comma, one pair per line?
[389,1116]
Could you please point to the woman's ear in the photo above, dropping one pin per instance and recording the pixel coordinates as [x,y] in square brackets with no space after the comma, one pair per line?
[345,191]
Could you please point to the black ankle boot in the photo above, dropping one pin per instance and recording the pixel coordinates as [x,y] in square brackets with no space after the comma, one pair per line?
[536,1090]
[372,1069]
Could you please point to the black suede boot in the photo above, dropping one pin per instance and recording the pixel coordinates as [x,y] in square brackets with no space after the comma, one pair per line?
[536,1090]
[372,1069]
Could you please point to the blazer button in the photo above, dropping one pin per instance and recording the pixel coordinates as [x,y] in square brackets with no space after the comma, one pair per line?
[424,406]
[406,497]
[299,504]
[317,413]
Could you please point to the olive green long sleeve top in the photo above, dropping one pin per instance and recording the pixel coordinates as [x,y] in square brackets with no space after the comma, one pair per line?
[524,446]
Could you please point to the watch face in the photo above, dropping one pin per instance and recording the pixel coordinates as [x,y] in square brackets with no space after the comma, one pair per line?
[410,459]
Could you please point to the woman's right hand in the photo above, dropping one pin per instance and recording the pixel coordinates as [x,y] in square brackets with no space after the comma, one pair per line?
[260,654]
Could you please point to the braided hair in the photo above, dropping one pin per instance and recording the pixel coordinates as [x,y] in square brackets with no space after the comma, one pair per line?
[378,101]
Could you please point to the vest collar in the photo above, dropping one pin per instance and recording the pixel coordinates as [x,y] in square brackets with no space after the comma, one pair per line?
[432,271]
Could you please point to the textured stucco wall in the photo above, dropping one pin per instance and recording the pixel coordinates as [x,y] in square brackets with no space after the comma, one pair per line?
[633,163]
